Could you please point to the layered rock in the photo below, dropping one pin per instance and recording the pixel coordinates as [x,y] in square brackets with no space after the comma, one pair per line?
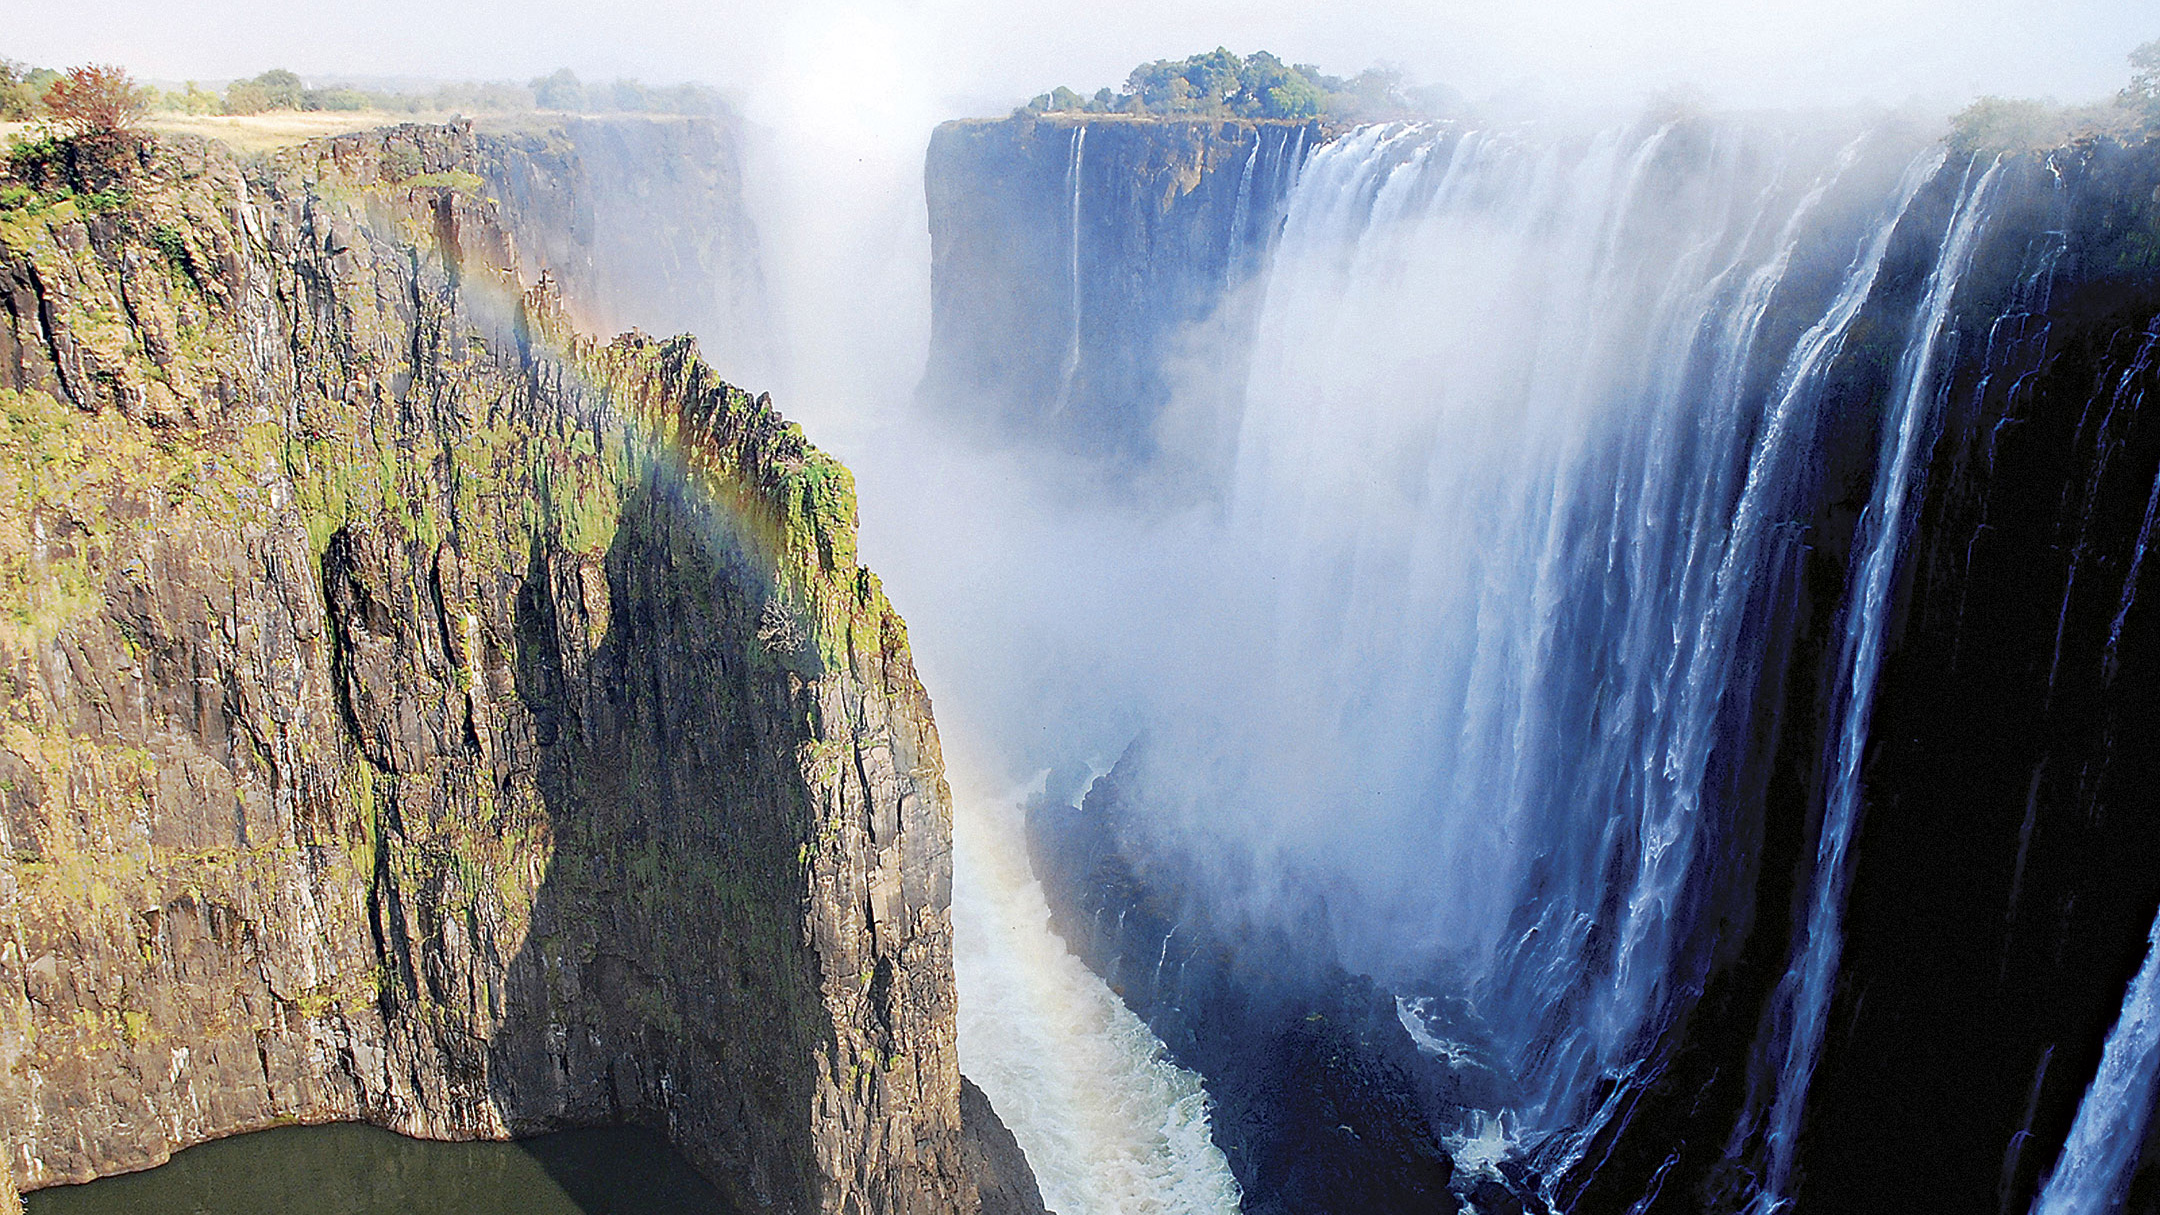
[422,714]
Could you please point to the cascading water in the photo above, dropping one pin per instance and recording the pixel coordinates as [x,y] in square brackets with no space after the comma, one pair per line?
[1806,989]
[1241,213]
[1109,1125]
[1071,371]
[2094,1168]
[1519,448]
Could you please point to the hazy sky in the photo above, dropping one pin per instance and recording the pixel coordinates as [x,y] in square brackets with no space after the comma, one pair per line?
[947,55]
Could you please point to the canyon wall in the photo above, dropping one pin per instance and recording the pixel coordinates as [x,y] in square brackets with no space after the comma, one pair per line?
[1087,274]
[420,713]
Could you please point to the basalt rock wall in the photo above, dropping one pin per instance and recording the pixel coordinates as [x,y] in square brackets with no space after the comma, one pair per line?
[420,713]
[1088,276]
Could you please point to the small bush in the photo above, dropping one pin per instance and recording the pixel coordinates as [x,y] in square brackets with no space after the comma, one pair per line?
[334,99]
[96,99]
[193,99]
[2143,95]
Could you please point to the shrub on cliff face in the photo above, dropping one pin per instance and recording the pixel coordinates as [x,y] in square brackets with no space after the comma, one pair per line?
[96,99]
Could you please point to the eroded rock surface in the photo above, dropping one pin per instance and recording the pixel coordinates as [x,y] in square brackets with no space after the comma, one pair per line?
[419,713]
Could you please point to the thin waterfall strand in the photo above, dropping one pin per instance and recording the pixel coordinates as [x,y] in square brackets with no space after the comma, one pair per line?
[2094,1168]
[1810,980]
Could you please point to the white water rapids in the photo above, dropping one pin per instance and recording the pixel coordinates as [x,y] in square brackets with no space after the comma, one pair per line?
[1109,1125]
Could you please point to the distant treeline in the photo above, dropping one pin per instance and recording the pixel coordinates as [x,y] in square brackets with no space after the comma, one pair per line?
[1222,83]
[23,91]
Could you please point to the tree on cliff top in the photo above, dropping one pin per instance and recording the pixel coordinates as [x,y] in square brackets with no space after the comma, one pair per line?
[2144,90]
[96,99]
[1220,83]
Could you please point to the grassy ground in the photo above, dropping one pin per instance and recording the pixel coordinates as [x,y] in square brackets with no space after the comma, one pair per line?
[253,132]
[266,132]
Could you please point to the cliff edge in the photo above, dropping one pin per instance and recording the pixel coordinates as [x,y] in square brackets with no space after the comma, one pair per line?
[420,713]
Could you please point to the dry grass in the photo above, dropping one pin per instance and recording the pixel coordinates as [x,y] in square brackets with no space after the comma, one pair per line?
[251,132]
[265,132]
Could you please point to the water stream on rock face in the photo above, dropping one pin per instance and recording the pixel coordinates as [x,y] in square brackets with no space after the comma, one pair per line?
[1073,171]
[1806,989]
[1109,1125]
[2094,1168]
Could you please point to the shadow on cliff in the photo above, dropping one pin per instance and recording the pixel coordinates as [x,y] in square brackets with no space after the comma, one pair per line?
[665,981]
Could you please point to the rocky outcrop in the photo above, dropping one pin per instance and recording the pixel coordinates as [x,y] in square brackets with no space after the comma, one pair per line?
[1166,222]
[419,713]
[642,221]
[994,1158]
[1320,1100]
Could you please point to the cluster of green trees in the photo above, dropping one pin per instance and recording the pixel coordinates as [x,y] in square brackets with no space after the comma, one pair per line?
[1222,83]
[24,89]
[564,91]
[2015,123]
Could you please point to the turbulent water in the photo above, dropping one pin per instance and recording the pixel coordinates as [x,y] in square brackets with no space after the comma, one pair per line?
[1109,1125]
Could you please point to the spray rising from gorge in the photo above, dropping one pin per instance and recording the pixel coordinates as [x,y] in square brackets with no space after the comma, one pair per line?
[1525,647]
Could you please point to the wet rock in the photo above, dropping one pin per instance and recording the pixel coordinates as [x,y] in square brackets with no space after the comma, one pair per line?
[994,1159]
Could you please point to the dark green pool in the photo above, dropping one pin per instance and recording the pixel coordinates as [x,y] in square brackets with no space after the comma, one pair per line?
[346,1169]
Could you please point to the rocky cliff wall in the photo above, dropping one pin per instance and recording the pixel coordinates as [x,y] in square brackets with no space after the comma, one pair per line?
[642,221]
[1088,277]
[420,713]
[2010,862]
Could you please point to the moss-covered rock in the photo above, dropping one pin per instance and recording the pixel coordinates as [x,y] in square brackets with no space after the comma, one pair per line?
[419,712]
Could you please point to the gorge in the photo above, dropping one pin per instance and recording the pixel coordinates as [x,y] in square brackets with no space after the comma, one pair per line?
[1486,665]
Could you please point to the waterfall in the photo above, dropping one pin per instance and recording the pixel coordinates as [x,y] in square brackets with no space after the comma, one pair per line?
[1241,213]
[1071,370]
[2126,391]
[1109,1125]
[2096,1161]
[1807,986]
[1518,456]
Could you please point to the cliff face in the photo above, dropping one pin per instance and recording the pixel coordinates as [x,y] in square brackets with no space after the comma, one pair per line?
[419,713]
[642,222]
[2007,873]
[1083,271]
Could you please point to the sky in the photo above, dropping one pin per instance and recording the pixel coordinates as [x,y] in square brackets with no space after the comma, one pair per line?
[948,57]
